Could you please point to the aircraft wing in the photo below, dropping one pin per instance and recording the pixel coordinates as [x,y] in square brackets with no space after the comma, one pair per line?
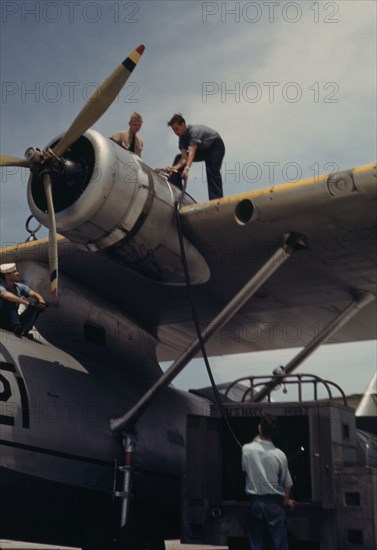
[337,216]
[237,236]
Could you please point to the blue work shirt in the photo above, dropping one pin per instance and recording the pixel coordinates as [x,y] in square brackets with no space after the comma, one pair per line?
[266,468]
[199,135]
[21,290]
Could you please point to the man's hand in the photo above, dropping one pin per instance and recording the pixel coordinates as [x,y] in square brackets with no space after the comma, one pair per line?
[167,170]
[38,305]
[289,503]
[171,170]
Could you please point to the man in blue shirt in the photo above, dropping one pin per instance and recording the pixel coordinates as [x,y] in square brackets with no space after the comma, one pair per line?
[12,295]
[197,143]
[268,485]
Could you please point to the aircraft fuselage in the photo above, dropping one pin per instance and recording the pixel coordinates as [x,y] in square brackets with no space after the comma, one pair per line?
[57,449]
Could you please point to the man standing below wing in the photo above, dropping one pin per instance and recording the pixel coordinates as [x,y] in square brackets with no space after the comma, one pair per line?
[268,485]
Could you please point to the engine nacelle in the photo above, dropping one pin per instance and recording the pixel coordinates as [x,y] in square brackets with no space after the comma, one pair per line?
[109,200]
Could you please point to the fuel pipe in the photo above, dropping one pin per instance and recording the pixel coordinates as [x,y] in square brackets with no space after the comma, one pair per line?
[126,469]
[292,242]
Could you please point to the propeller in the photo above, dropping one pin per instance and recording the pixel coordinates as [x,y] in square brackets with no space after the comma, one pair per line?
[52,236]
[100,101]
[8,160]
[44,163]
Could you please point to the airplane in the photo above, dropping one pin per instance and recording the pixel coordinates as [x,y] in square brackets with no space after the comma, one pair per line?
[92,432]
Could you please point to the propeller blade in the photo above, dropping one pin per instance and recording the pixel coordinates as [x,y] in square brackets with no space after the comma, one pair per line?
[99,102]
[52,236]
[8,160]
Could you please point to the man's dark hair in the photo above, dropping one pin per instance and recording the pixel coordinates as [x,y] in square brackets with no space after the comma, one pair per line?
[176,118]
[269,425]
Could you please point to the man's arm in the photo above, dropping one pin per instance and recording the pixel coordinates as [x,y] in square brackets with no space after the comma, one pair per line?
[191,155]
[13,298]
[288,501]
[37,296]
[182,161]
[122,139]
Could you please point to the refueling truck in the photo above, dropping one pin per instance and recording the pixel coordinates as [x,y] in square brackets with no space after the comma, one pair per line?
[333,465]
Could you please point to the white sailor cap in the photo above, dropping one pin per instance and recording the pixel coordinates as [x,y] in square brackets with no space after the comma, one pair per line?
[7,268]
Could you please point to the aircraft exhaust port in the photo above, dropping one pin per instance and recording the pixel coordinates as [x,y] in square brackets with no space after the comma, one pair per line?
[244,212]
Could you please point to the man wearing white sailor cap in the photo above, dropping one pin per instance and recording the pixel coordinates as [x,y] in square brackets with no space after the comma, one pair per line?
[12,295]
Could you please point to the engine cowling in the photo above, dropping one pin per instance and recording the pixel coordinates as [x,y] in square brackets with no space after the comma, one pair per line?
[109,200]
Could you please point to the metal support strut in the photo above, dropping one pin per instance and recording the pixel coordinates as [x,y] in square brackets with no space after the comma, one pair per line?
[277,259]
[360,299]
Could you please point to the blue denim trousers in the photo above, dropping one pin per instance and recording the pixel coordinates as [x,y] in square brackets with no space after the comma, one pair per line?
[9,317]
[267,523]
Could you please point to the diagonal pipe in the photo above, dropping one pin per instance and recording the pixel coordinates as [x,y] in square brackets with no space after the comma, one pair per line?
[360,299]
[277,259]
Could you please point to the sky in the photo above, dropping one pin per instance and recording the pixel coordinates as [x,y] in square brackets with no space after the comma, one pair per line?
[290,86]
